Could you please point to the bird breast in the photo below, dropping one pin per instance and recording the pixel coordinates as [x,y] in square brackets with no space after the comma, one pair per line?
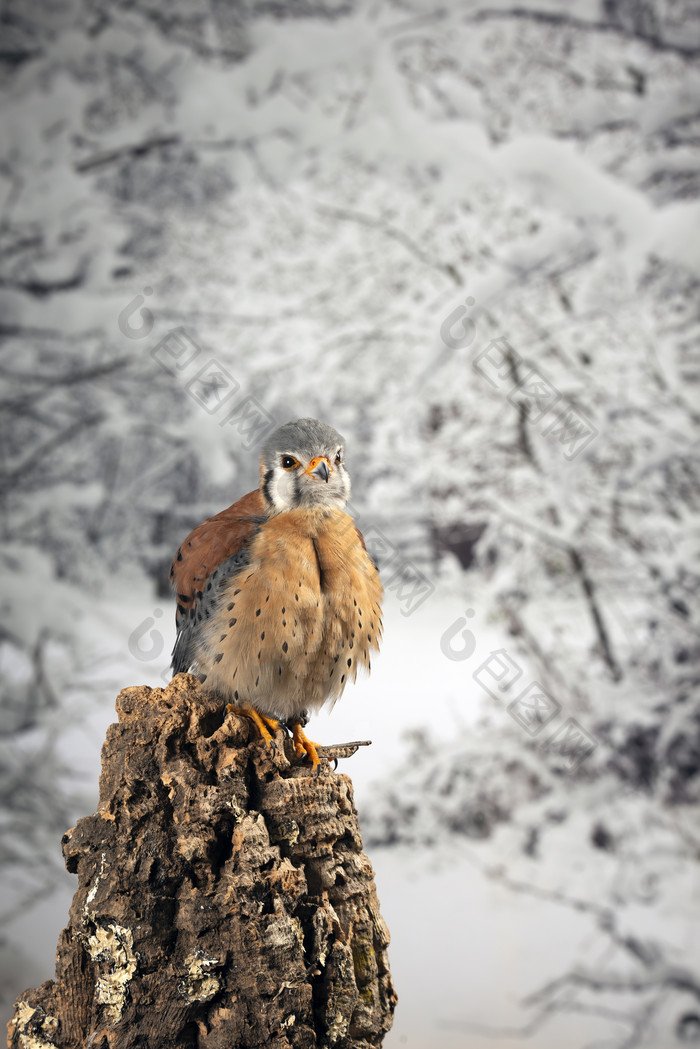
[288,631]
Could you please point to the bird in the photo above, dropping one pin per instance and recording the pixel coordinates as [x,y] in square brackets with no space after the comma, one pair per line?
[278,602]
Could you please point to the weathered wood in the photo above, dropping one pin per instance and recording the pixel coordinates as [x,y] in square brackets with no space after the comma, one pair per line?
[224,898]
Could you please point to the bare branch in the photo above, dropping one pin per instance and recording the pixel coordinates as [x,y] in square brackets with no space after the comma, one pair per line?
[19,472]
[138,149]
[395,233]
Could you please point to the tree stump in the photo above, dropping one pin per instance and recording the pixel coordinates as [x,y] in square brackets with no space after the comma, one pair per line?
[224,899]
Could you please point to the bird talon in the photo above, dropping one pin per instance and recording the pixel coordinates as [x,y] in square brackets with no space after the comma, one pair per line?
[265,726]
[305,747]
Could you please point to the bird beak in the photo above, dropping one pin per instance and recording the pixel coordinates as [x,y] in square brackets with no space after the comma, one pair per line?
[320,467]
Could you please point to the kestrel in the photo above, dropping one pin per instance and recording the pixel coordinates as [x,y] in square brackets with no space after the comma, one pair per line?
[278,601]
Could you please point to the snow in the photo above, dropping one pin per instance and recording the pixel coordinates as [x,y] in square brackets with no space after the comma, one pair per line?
[461,994]
[328,190]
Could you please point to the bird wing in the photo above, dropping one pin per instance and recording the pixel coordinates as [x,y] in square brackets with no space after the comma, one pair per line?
[222,538]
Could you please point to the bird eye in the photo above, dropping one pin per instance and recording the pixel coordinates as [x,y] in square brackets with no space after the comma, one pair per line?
[289,462]
[338,456]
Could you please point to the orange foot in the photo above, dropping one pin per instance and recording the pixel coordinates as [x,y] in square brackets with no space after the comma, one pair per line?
[265,726]
[304,747]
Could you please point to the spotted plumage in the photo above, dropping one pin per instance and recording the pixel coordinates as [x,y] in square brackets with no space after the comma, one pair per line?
[278,602]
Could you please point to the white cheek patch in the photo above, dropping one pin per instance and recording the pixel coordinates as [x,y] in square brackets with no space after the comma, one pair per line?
[282,490]
[337,491]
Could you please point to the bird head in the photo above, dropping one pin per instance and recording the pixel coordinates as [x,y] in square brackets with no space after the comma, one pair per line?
[302,466]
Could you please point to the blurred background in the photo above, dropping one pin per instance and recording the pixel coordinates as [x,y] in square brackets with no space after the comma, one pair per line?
[466,235]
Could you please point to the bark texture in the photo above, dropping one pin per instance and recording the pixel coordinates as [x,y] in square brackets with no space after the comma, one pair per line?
[224,898]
